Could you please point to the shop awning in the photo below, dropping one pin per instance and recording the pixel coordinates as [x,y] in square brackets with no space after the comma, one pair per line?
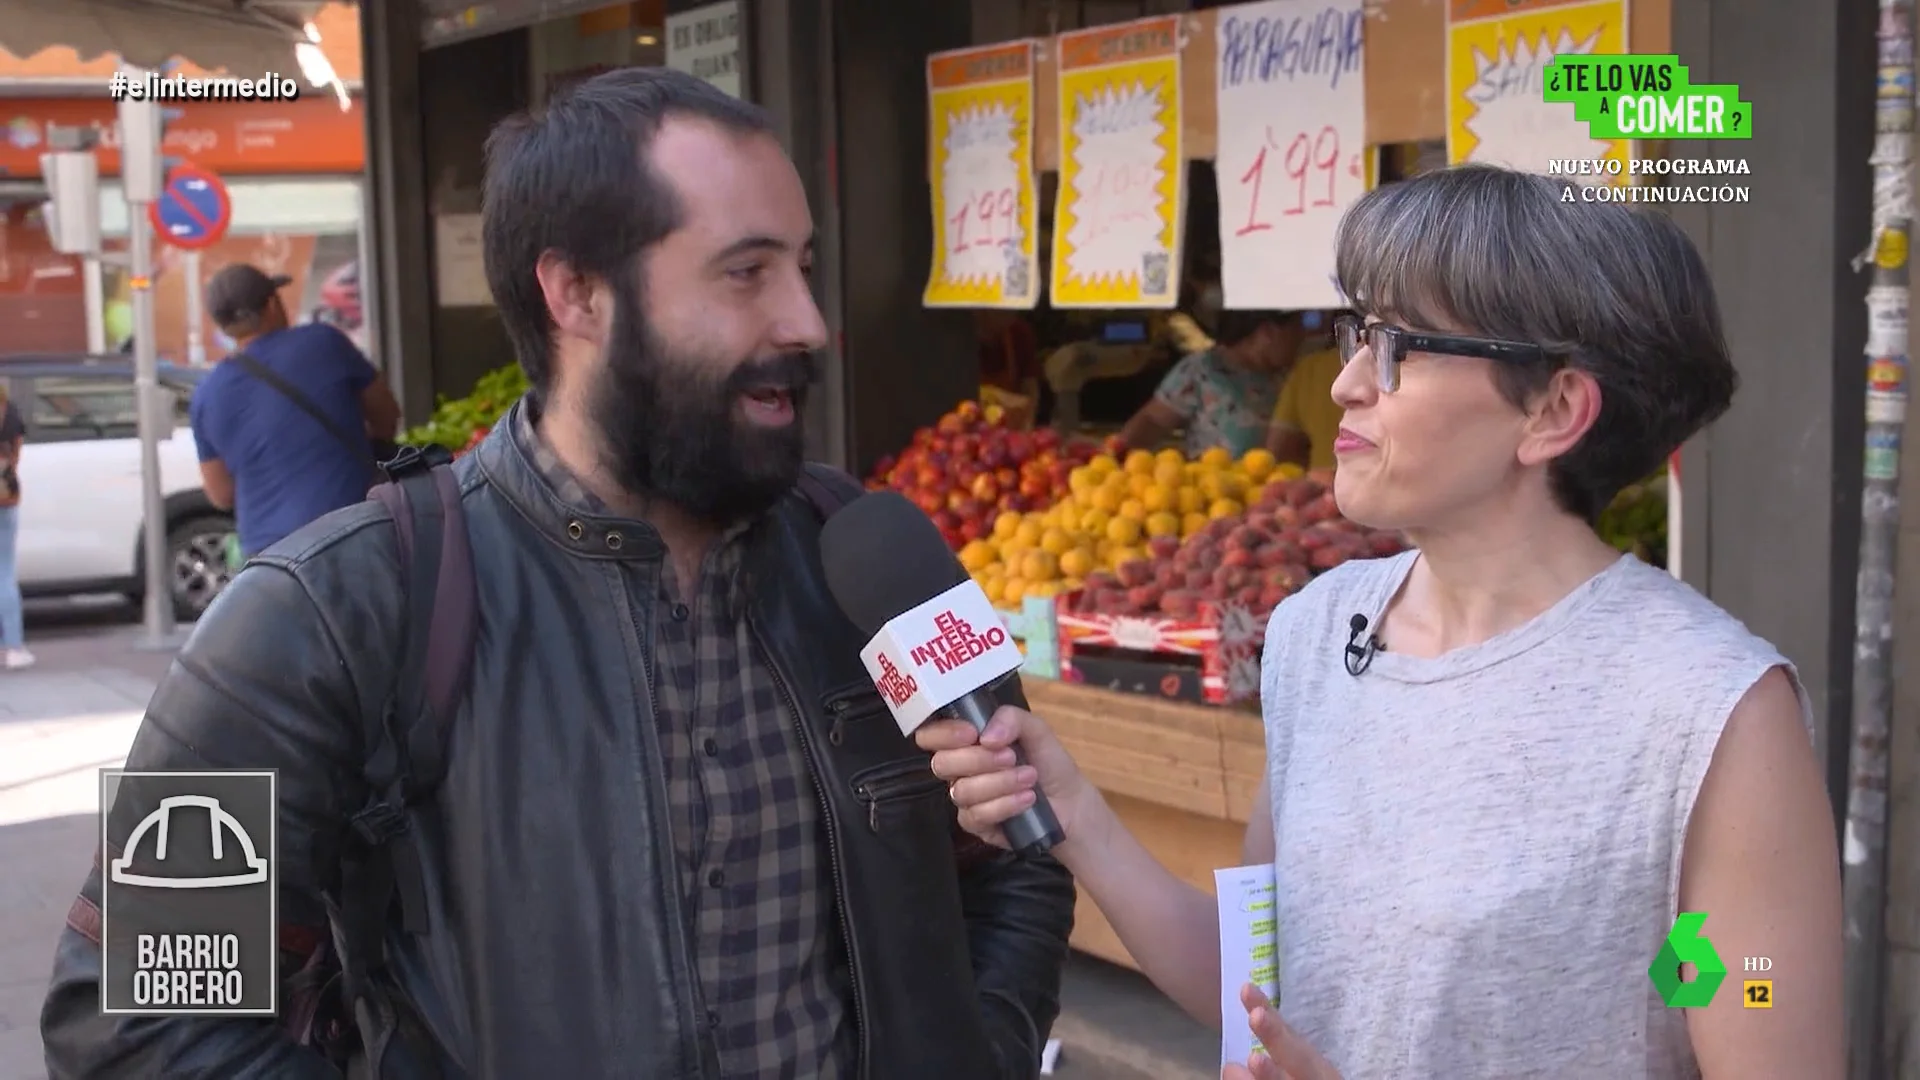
[249,38]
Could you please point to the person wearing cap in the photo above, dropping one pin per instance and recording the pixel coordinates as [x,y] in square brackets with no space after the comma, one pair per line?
[1306,419]
[285,425]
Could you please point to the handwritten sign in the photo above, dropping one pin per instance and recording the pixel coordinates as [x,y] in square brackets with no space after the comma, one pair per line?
[705,43]
[1497,52]
[1116,226]
[985,214]
[1292,139]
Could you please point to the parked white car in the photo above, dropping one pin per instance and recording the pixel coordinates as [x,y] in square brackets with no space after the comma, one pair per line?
[81,514]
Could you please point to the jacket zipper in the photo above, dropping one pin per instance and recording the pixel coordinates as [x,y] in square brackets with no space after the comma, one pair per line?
[663,830]
[895,781]
[833,836]
[840,704]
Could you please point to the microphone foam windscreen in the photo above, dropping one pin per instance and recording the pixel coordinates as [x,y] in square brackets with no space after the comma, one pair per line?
[882,557]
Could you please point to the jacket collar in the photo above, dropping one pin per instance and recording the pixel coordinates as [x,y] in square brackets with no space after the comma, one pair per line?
[580,525]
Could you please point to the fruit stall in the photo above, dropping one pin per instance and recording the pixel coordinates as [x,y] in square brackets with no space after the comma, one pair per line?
[1140,585]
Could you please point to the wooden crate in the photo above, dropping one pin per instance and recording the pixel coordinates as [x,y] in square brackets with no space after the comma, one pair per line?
[1181,777]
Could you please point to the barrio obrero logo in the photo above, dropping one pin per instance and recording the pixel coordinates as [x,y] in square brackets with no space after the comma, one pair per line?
[188,902]
[1648,98]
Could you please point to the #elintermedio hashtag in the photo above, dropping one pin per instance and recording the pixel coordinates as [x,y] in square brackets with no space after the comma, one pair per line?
[150,86]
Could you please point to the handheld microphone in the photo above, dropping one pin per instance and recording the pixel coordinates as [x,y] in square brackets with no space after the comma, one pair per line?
[1360,655]
[938,647]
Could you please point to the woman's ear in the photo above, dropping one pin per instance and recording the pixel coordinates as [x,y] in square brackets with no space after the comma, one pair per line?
[1561,416]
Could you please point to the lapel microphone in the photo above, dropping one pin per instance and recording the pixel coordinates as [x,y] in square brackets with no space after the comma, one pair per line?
[1360,654]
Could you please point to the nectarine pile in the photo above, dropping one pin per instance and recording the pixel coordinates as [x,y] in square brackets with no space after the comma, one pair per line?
[1252,559]
[969,467]
[1116,512]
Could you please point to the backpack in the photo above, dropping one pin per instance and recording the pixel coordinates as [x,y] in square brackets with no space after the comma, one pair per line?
[336,1001]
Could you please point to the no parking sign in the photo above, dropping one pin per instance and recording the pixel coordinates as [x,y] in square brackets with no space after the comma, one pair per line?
[193,210]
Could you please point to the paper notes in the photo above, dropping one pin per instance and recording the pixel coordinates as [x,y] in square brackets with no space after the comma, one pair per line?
[1292,156]
[1117,223]
[984,215]
[1496,107]
[1249,951]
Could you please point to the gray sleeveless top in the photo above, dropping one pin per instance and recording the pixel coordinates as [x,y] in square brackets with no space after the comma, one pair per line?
[1478,855]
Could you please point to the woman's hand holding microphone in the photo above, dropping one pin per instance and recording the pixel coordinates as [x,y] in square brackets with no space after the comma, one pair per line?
[989,787]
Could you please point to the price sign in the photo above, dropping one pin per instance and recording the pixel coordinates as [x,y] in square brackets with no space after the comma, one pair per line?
[1116,240]
[1296,175]
[1497,55]
[985,218]
[1292,147]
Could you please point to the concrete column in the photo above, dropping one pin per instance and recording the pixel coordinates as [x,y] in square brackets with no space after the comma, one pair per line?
[396,282]
[905,364]
[1772,491]
[789,71]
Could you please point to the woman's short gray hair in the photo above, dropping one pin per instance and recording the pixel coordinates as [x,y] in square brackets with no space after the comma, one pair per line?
[1613,290]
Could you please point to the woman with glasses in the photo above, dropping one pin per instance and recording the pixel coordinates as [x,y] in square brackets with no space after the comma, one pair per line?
[1500,765]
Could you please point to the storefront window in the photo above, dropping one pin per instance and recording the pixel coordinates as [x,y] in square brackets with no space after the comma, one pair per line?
[308,230]
[43,307]
[579,47]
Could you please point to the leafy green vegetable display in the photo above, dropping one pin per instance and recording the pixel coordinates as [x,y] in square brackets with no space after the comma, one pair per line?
[1637,520]
[457,422]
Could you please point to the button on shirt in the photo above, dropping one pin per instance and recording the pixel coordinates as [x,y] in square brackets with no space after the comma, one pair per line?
[747,828]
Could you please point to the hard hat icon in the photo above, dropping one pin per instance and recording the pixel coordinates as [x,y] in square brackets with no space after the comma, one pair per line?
[219,819]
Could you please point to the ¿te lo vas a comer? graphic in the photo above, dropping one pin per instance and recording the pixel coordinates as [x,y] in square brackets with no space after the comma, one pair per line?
[1645,97]
[1685,944]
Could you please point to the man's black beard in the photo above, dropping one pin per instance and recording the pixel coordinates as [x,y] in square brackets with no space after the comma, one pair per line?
[672,429]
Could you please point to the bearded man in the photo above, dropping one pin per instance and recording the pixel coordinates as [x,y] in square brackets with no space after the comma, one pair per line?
[678,835]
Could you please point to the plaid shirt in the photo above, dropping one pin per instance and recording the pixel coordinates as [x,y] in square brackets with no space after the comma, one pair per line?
[747,828]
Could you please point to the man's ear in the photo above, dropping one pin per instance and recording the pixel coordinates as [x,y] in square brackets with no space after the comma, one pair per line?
[579,304]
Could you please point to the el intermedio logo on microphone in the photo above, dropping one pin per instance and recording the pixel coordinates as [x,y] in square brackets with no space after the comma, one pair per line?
[927,657]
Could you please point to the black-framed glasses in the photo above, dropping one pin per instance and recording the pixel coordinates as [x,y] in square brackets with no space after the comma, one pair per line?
[1391,344]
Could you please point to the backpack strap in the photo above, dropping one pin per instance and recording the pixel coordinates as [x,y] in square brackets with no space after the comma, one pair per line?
[828,488]
[406,748]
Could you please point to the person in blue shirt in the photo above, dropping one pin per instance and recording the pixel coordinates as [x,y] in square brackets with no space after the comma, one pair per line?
[285,425]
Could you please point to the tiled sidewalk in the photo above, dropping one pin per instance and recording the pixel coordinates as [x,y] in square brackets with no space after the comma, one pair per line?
[57,729]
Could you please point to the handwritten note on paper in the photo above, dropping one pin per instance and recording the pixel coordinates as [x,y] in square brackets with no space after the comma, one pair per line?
[1292,147]
[1497,54]
[980,123]
[1249,951]
[1116,240]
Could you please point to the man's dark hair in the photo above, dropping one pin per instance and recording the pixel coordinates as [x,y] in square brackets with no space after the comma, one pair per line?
[1616,291]
[1236,326]
[576,178]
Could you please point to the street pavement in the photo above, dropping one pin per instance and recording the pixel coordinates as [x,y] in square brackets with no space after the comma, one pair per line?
[75,713]
[60,723]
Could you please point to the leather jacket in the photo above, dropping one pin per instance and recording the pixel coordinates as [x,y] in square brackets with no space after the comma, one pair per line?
[554,777]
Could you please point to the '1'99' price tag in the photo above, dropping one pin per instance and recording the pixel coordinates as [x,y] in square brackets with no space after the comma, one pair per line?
[1292,147]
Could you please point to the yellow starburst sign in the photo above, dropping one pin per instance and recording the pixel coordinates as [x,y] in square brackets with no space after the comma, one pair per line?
[1116,225]
[1497,52]
[980,165]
